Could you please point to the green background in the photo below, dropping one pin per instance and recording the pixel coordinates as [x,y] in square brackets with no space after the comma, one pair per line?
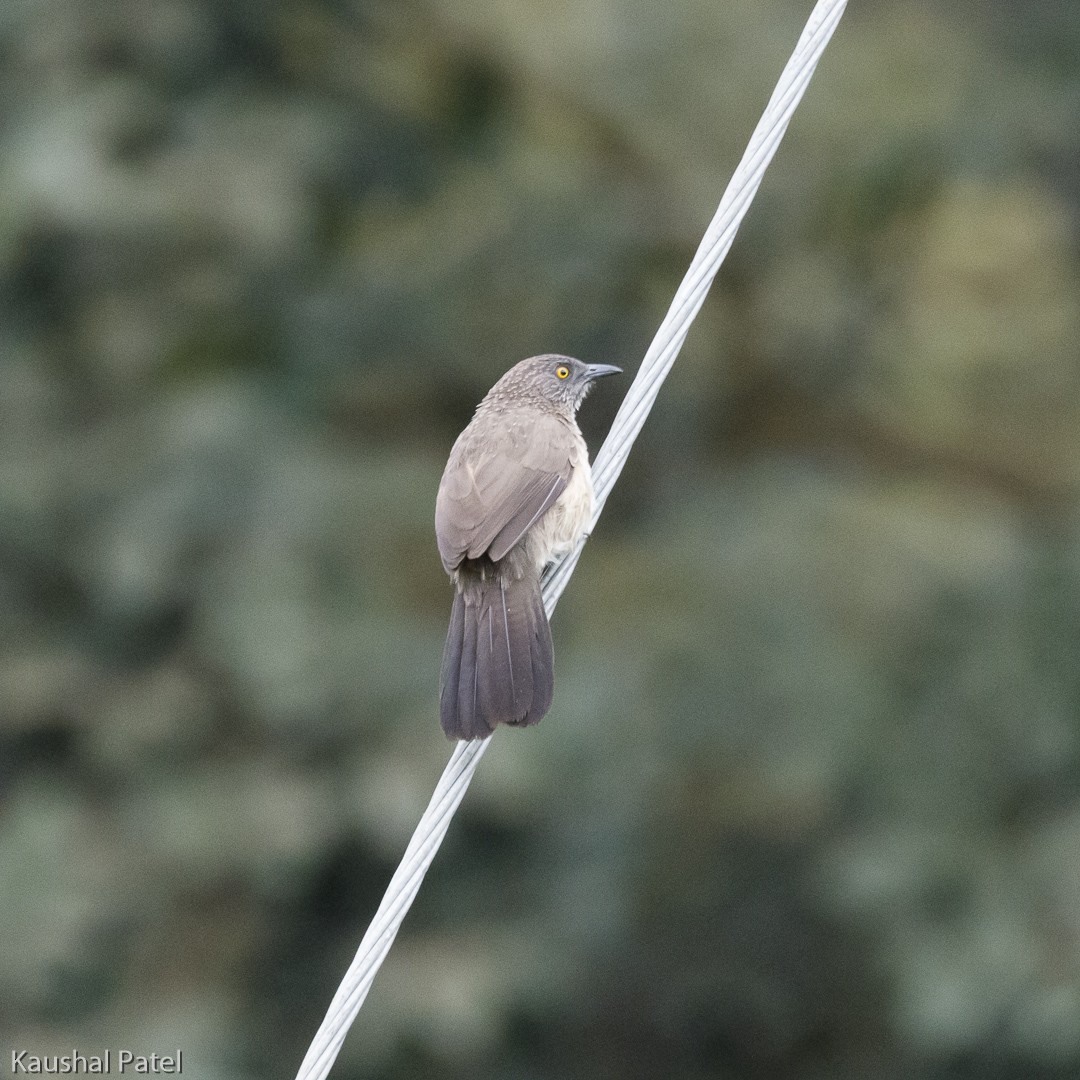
[807,804]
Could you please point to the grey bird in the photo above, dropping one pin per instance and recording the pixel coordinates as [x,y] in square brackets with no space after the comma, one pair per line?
[516,493]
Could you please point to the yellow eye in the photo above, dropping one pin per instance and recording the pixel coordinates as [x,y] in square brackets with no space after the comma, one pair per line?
[563,372]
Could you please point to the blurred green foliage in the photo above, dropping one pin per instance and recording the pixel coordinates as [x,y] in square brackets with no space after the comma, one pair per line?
[808,801]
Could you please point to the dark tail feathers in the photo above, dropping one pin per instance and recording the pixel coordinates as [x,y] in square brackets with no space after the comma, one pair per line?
[498,664]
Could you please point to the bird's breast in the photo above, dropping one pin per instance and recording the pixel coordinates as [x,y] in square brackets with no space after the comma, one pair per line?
[562,526]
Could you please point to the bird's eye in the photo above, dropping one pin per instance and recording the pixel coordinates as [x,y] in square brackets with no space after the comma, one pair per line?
[562,371]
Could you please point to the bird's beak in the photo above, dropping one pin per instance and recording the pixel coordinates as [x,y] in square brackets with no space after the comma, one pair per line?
[598,371]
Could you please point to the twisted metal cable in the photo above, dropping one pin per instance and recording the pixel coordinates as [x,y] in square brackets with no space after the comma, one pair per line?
[662,353]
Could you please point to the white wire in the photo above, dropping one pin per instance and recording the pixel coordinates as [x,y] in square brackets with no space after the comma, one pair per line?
[662,353]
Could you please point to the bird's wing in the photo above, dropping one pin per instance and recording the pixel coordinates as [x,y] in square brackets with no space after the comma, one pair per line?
[500,480]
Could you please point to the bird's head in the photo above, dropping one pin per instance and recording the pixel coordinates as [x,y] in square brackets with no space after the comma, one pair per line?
[559,380]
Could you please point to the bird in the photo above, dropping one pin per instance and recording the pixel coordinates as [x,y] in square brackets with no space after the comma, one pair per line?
[516,494]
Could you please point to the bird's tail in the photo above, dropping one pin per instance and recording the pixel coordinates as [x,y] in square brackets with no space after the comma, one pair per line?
[498,664]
